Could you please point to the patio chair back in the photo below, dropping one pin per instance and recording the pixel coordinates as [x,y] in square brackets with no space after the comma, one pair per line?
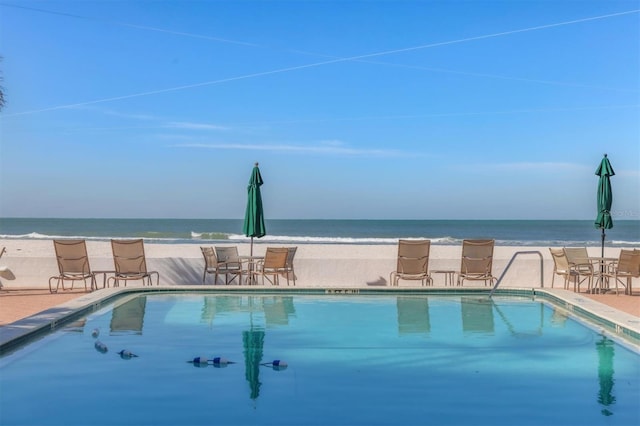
[73,264]
[624,270]
[578,257]
[229,263]
[276,258]
[72,257]
[629,262]
[128,256]
[130,262]
[412,262]
[477,261]
[291,254]
[562,267]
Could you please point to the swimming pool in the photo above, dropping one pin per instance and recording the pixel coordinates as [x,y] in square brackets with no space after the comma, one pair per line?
[358,359]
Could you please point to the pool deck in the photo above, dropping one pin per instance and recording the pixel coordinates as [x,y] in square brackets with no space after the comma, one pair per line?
[26,312]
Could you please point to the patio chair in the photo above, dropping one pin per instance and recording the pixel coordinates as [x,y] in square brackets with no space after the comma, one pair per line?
[213,266]
[413,262]
[626,267]
[579,261]
[273,264]
[291,254]
[210,263]
[229,263]
[562,268]
[130,263]
[73,264]
[476,262]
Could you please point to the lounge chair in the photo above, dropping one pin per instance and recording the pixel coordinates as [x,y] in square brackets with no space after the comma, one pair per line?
[73,264]
[291,254]
[562,268]
[578,259]
[476,261]
[626,267]
[273,264]
[130,263]
[229,263]
[413,262]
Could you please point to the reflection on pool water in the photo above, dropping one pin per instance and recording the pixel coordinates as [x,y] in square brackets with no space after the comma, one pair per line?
[369,360]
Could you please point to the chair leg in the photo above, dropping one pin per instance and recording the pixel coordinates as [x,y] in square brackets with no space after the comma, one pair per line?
[57,284]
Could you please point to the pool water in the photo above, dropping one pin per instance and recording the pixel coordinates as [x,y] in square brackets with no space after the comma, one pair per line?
[351,360]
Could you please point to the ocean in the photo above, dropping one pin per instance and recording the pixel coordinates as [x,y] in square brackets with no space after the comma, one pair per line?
[625,233]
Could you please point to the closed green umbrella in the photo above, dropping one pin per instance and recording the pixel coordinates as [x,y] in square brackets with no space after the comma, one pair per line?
[254,216]
[605,197]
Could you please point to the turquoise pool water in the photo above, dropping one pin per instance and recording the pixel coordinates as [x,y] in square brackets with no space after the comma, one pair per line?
[352,360]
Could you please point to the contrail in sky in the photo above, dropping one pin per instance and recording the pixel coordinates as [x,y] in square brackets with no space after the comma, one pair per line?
[331,61]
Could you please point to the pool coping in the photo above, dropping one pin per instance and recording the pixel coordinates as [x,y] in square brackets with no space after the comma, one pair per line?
[605,319]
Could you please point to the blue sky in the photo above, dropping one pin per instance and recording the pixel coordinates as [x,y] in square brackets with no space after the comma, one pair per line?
[354,109]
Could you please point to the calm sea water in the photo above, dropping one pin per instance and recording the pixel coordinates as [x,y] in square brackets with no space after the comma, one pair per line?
[505,232]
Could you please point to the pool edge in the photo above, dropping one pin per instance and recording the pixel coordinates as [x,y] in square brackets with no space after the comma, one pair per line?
[617,323]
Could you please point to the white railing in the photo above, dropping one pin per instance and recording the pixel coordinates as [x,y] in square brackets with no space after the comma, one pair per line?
[509,265]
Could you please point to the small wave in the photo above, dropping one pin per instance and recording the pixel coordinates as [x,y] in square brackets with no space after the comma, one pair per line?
[37,236]
[625,243]
[209,235]
[446,241]
[285,239]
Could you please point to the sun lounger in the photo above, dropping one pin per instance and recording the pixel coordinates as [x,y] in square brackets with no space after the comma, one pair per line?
[73,265]
[130,263]
[413,262]
[476,261]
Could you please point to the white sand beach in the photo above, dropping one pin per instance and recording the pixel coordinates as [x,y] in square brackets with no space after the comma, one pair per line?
[316,265]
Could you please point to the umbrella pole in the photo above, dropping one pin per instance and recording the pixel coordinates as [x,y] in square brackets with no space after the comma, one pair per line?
[251,249]
[602,260]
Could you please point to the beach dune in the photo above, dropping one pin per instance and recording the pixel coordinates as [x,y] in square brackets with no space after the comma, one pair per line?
[316,265]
